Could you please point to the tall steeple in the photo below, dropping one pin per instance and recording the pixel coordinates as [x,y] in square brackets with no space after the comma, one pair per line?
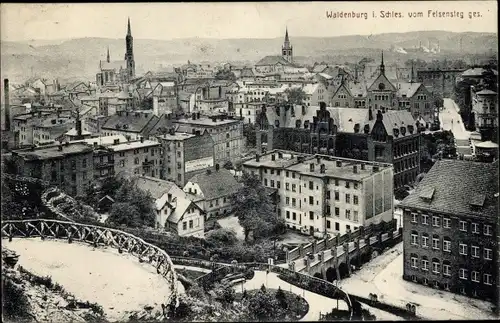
[382,66]
[129,52]
[287,49]
[107,57]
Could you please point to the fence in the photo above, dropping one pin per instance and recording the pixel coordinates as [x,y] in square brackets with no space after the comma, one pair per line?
[96,235]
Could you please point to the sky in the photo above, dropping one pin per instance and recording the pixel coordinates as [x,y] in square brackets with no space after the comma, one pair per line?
[22,22]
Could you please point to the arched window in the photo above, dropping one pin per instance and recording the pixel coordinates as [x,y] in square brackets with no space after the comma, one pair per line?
[425,240]
[425,263]
[414,261]
[436,242]
[436,266]
[446,244]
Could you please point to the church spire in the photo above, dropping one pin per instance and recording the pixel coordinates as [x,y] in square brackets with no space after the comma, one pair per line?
[129,32]
[107,57]
[286,36]
[382,66]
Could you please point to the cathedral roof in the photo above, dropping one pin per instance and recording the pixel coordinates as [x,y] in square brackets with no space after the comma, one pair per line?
[272,60]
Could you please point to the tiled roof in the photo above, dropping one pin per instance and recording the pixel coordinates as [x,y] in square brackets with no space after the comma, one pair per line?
[407,88]
[346,118]
[130,123]
[272,60]
[216,184]
[394,119]
[157,187]
[357,89]
[457,184]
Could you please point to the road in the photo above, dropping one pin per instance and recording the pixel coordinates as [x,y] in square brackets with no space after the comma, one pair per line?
[450,119]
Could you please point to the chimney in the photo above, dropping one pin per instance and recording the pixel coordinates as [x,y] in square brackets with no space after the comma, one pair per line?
[142,139]
[322,168]
[355,169]
[362,166]
[169,196]
[7,103]
[257,158]
[311,166]
[370,114]
[339,163]
[273,157]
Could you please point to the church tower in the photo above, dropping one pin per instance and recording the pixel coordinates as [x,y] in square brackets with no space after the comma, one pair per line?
[287,49]
[129,53]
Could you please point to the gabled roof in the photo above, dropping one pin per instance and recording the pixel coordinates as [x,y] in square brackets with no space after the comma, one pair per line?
[460,187]
[272,60]
[130,123]
[408,88]
[216,184]
[345,87]
[394,119]
[381,79]
[157,187]
[346,118]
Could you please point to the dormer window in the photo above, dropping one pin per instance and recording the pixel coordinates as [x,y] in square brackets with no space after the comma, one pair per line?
[427,193]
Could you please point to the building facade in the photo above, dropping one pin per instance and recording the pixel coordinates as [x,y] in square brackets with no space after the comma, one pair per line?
[485,113]
[139,157]
[323,195]
[450,229]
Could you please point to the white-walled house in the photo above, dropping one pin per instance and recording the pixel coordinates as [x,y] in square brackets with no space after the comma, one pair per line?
[213,191]
[175,212]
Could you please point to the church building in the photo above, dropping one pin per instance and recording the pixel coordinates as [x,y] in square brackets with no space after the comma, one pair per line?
[115,73]
[277,63]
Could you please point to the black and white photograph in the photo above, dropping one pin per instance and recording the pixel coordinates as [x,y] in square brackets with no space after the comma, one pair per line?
[249,161]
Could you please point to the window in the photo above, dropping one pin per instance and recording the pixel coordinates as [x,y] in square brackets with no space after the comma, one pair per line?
[347,184]
[435,243]
[447,245]
[355,219]
[355,199]
[463,249]
[355,186]
[265,181]
[425,219]
[287,186]
[337,196]
[287,174]
[311,200]
[337,211]
[336,182]
[414,262]
[311,215]
[272,183]
[487,279]
[288,214]
[436,221]
[294,216]
[136,161]
[184,225]
[425,240]
[348,227]
[414,218]
[487,230]
[348,214]
[475,228]
[311,185]
[294,188]
[84,163]
[488,254]
[435,266]
[347,198]
[287,200]
[425,264]
[414,239]
[278,184]
[475,276]
[474,251]
[447,223]
[463,226]
[446,270]
[190,224]
[327,195]
[462,273]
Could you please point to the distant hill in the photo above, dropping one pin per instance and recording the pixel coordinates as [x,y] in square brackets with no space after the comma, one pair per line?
[79,58]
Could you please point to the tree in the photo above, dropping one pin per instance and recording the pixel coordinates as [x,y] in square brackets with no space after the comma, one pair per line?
[225,75]
[254,208]
[281,298]
[222,237]
[124,214]
[296,96]
[263,306]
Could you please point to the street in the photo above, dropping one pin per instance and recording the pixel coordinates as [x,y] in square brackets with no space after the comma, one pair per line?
[450,119]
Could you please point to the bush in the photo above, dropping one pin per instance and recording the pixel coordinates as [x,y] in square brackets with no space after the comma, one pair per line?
[222,236]
[15,304]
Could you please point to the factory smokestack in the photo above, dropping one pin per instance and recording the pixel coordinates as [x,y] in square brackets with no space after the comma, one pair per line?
[7,104]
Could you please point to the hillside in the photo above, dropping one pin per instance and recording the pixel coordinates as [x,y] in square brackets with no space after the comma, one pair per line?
[80,57]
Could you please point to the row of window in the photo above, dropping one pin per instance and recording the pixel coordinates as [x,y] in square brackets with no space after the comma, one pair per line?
[73,164]
[445,222]
[446,271]
[446,246]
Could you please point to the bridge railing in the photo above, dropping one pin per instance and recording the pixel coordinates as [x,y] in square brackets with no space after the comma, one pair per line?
[95,235]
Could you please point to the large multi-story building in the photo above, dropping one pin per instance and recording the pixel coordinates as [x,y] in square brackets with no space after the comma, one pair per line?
[485,112]
[450,229]
[140,157]
[389,136]
[323,195]
[133,125]
[185,155]
[226,132]
[69,166]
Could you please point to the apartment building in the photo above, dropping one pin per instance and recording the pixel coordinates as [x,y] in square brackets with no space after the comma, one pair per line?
[450,229]
[485,111]
[133,125]
[69,166]
[140,157]
[323,195]
[185,155]
[226,132]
